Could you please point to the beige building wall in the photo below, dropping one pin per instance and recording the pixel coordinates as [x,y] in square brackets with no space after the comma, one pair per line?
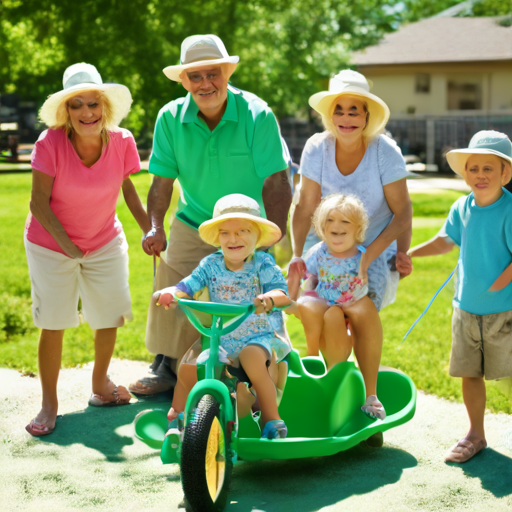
[396,85]
[501,89]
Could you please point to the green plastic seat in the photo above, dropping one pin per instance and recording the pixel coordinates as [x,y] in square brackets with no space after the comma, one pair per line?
[322,410]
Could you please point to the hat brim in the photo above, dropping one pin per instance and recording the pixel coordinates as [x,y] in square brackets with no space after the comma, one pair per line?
[118,95]
[174,72]
[379,111]
[269,232]
[457,158]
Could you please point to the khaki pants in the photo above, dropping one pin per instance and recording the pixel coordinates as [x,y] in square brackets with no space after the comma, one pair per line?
[168,332]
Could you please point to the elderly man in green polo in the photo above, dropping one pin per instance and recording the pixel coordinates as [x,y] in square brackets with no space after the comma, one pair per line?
[217,140]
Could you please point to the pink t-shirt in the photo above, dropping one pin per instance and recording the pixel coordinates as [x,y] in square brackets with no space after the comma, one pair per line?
[83,198]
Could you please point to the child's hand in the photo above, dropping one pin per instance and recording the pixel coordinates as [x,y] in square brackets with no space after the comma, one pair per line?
[165,298]
[263,304]
[403,264]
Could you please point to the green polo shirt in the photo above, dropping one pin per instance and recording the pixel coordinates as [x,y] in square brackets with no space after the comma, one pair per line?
[236,157]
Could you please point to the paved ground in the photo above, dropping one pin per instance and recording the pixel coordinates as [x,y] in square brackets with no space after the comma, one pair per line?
[92,461]
[430,183]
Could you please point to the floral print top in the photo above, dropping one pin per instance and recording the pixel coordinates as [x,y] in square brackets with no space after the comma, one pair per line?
[260,274]
[338,282]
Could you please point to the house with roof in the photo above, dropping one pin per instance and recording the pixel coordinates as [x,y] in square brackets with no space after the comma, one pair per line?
[444,78]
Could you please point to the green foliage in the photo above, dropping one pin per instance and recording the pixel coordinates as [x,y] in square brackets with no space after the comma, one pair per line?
[15,316]
[288,49]
[415,10]
[491,8]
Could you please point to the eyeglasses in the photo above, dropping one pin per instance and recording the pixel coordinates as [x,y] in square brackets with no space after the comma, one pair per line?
[197,78]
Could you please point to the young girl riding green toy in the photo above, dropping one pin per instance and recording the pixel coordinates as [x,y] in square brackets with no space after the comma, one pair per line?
[340,292]
[238,274]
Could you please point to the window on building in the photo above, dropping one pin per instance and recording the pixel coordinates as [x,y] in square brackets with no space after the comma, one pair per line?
[464,94]
[423,83]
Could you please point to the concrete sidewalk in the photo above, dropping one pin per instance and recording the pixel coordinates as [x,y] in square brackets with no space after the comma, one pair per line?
[422,183]
[92,461]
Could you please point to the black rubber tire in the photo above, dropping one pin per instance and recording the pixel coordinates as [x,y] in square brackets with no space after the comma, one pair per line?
[206,420]
[376,440]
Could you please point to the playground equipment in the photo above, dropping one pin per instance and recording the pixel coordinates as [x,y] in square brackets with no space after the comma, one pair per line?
[214,437]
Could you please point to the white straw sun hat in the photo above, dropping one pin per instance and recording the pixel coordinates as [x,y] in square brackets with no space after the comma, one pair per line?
[198,51]
[239,206]
[352,83]
[485,142]
[85,77]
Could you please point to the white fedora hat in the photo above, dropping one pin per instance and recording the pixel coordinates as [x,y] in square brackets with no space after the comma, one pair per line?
[485,142]
[198,51]
[84,77]
[352,83]
[239,206]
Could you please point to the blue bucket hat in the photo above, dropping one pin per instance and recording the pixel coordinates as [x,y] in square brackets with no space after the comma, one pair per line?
[486,142]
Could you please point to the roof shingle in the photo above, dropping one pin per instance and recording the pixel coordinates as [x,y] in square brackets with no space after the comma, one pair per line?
[441,40]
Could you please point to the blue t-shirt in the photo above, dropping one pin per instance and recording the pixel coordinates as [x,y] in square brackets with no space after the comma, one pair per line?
[381,165]
[484,235]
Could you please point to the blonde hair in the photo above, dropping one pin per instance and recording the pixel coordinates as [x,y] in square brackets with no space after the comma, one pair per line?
[349,206]
[63,121]
[330,127]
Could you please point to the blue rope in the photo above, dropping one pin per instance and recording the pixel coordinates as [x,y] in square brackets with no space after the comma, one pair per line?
[430,303]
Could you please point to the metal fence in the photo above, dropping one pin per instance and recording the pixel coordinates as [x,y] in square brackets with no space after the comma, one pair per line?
[428,137]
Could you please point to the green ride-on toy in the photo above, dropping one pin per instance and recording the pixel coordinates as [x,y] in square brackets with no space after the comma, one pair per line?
[214,437]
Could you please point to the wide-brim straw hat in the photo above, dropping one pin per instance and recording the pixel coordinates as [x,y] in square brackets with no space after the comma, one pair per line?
[239,206]
[352,83]
[85,77]
[485,142]
[199,51]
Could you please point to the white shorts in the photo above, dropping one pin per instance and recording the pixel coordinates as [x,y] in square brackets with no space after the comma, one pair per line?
[99,279]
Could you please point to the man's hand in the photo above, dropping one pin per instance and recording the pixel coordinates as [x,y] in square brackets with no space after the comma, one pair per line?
[403,264]
[154,242]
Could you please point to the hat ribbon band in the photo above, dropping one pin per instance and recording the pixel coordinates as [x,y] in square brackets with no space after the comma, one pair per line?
[241,209]
[81,78]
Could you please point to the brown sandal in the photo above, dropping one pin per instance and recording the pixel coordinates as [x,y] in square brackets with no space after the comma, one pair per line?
[151,386]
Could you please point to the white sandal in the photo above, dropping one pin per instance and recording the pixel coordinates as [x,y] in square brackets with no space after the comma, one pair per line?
[373,408]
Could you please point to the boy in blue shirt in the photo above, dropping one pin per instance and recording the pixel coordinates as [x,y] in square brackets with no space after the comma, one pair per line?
[481,225]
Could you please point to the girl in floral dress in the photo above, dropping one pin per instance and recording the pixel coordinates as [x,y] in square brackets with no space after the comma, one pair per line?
[339,290]
[237,274]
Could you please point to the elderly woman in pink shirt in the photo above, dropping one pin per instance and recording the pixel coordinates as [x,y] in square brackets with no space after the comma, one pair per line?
[75,245]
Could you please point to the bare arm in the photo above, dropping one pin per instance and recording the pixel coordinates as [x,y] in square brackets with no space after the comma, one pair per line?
[435,246]
[42,185]
[309,198]
[277,198]
[134,204]
[159,199]
[399,202]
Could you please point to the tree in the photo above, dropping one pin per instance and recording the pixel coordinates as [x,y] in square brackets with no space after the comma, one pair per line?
[288,49]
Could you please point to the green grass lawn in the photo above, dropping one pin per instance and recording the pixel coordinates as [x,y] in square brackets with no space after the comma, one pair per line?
[424,355]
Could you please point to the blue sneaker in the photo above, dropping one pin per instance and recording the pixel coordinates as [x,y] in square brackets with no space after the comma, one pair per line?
[274,429]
